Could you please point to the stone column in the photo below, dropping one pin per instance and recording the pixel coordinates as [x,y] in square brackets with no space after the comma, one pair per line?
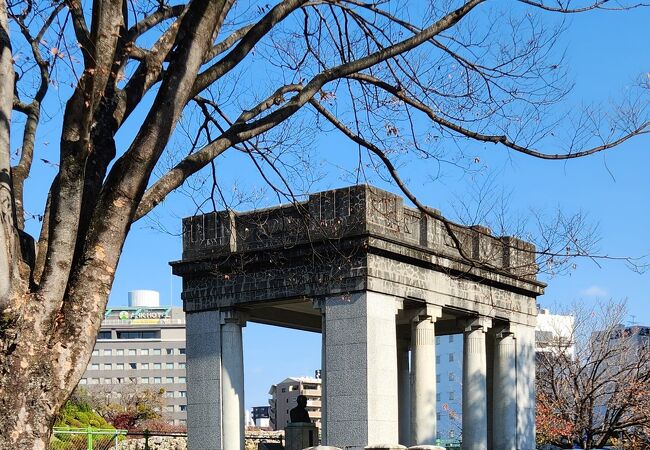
[504,402]
[525,380]
[323,375]
[474,385]
[203,372]
[404,391]
[232,385]
[423,373]
[361,370]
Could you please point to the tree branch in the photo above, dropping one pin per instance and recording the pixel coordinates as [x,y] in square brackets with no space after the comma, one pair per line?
[496,139]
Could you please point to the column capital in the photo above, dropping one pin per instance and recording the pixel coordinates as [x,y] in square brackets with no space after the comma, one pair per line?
[476,323]
[234,316]
[503,331]
[426,312]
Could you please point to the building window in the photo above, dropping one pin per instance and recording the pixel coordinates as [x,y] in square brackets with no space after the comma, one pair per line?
[156,351]
[183,407]
[169,408]
[120,352]
[94,381]
[144,366]
[144,380]
[144,352]
[182,379]
[94,366]
[82,381]
[437,378]
[169,365]
[132,352]
[108,366]
[181,365]
[104,335]
[437,359]
[437,396]
[140,334]
[169,380]
[284,389]
[182,393]
[108,381]
[119,366]
[108,352]
[95,352]
[438,416]
[451,434]
[452,376]
[452,395]
[120,380]
[169,394]
[437,340]
[181,351]
[451,357]
[133,366]
[156,366]
[451,338]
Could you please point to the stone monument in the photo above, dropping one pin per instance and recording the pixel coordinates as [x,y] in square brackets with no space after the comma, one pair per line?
[380,281]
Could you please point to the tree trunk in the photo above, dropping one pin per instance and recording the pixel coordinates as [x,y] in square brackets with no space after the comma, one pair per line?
[38,373]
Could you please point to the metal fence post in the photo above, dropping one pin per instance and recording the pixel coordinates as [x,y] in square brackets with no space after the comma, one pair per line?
[90,438]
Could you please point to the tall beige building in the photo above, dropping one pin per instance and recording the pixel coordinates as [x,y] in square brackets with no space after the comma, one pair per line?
[141,346]
[285,394]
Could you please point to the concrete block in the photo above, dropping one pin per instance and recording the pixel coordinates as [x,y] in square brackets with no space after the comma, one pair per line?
[203,438]
[203,391]
[202,322]
[298,436]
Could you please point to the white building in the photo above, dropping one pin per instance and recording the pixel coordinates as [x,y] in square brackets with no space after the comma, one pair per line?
[141,346]
[555,331]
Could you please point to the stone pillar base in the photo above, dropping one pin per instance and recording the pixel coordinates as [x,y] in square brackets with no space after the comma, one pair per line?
[323,447]
[298,436]
[385,447]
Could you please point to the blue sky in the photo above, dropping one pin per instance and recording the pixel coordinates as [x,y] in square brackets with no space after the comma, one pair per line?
[605,52]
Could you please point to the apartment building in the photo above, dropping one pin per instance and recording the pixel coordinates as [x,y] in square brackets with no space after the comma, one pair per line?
[285,394]
[141,346]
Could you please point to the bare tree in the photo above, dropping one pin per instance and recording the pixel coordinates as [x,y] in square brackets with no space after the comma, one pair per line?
[593,385]
[211,76]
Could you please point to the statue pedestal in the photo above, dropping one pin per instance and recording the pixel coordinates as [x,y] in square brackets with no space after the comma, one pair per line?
[298,436]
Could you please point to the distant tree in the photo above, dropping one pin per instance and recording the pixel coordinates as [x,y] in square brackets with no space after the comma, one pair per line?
[143,95]
[597,391]
[132,409]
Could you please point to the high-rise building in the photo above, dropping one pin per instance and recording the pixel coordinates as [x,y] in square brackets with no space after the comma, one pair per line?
[554,331]
[285,394]
[141,346]
[261,416]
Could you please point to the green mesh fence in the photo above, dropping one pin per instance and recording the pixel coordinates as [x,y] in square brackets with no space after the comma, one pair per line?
[85,439]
